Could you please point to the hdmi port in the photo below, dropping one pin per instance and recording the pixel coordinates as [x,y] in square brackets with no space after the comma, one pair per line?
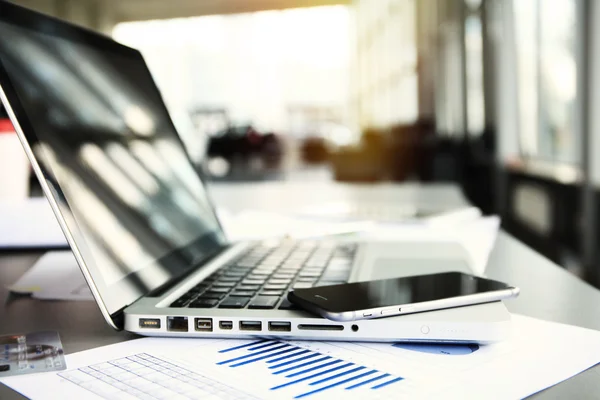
[310,327]
[279,326]
[250,325]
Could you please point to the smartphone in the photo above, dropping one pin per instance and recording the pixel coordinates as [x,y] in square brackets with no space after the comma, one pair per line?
[399,296]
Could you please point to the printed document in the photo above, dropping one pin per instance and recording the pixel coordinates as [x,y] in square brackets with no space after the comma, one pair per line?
[536,357]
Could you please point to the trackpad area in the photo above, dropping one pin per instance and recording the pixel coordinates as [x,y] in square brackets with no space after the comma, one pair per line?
[385,268]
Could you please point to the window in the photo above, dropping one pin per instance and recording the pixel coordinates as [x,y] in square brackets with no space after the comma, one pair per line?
[547,79]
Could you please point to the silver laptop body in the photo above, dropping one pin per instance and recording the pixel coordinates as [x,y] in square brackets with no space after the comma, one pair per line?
[140,223]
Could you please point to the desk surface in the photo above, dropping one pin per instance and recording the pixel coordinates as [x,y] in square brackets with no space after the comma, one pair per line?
[547,291]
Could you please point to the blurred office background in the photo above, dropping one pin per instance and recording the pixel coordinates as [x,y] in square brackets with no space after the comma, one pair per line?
[495,95]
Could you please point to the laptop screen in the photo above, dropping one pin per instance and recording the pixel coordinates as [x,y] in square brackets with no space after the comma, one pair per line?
[134,205]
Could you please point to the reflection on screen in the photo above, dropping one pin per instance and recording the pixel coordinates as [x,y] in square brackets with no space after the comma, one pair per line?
[103,131]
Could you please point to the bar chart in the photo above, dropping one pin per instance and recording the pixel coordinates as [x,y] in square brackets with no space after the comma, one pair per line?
[309,372]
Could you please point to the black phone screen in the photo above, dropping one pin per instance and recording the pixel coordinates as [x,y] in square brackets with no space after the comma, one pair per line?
[392,292]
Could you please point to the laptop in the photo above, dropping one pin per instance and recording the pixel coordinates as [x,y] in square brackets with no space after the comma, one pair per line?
[141,225]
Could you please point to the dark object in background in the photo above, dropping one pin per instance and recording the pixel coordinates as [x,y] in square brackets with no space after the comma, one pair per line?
[314,150]
[367,162]
[243,143]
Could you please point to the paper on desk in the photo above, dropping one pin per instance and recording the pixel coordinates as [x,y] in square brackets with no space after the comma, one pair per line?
[55,276]
[29,224]
[476,236]
[256,224]
[539,354]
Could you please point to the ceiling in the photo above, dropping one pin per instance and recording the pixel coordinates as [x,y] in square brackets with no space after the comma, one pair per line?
[131,10]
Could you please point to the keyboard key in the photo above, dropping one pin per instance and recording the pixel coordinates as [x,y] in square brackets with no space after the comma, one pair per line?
[247,263]
[316,263]
[279,281]
[243,293]
[287,305]
[208,303]
[307,274]
[264,302]
[235,272]
[258,277]
[179,303]
[212,295]
[253,281]
[302,285]
[224,284]
[187,296]
[234,302]
[277,293]
[230,278]
[218,290]
[275,287]
[248,287]
[283,276]
[307,279]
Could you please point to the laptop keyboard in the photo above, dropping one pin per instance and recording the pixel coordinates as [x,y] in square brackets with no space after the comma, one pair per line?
[262,276]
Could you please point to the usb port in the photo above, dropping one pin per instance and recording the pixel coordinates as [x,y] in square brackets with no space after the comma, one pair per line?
[250,325]
[226,325]
[279,326]
[151,323]
[204,324]
[177,324]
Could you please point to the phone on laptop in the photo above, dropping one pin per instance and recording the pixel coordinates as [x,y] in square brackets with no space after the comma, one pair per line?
[406,295]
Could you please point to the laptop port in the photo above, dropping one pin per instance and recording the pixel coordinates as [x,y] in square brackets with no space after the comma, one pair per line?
[177,324]
[279,326]
[226,325]
[250,325]
[150,323]
[311,327]
[204,324]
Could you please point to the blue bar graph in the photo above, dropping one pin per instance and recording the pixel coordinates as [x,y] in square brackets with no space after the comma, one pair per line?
[241,346]
[283,364]
[262,346]
[309,371]
[321,373]
[288,356]
[335,384]
[283,371]
[367,381]
[337,376]
[263,357]
[387,383]
[253,354]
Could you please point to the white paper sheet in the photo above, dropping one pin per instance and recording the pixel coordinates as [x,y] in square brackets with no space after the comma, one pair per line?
[477,236]
[535,358]
[29,223]
[256,224]
[55,276]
